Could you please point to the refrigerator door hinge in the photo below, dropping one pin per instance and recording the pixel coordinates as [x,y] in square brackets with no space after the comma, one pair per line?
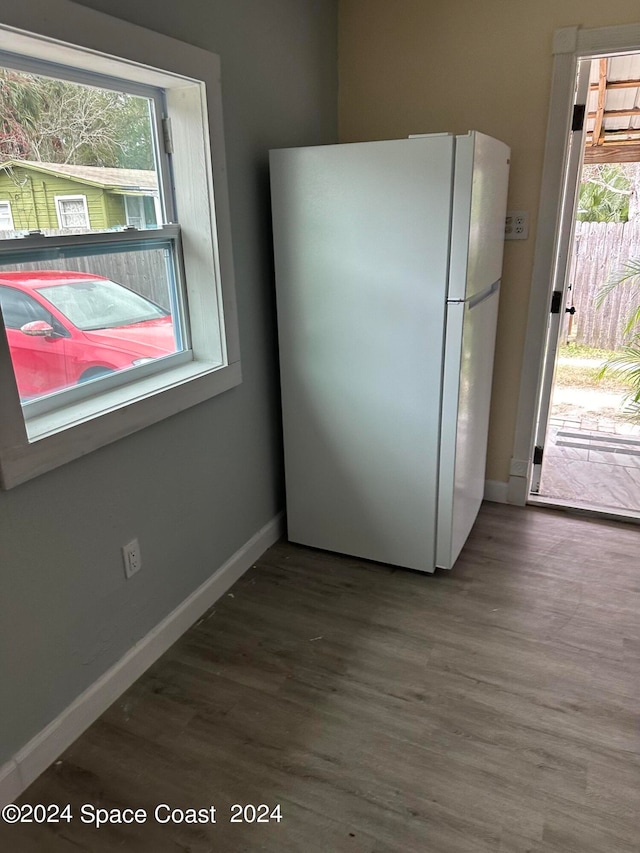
[577,120]
[167,135]
[556,301]
[538,453]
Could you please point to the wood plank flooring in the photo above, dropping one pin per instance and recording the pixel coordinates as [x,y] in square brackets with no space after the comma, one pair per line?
[492,709]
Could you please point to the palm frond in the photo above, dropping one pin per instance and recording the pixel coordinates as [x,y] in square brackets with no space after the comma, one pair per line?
[625,365]
[633,321]
[627,273]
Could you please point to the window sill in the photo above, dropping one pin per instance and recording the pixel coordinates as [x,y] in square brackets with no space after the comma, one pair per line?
[75,430]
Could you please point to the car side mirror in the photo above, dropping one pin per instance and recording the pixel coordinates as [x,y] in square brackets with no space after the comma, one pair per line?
[38,329]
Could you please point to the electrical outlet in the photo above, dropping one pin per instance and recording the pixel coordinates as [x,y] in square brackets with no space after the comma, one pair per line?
[132,558]
[516,226]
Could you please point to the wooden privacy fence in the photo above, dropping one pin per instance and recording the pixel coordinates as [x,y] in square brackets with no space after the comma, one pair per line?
[144,271]
[601,248]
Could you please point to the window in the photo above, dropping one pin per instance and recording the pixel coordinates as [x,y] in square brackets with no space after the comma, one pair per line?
[141,211]
[72,211]
[151,285]
[19,309]
[6,217]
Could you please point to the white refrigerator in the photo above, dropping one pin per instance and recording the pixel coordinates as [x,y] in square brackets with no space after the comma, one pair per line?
[388,260]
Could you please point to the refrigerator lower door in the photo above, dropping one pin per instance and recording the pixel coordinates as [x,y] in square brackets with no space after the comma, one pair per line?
[468,372]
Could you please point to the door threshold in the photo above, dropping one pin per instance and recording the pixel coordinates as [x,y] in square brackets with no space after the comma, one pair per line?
[610,513]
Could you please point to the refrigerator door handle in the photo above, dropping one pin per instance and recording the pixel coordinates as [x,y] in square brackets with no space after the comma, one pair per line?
[487,293]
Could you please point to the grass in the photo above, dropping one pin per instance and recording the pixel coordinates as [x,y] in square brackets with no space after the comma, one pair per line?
[583,376]
[572,350]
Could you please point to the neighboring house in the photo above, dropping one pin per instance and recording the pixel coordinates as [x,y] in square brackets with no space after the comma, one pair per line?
[57,195]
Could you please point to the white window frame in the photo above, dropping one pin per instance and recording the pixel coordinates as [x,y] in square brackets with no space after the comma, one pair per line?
[140,200]
[60,199]
[7,204]
[127,210]
[64,33]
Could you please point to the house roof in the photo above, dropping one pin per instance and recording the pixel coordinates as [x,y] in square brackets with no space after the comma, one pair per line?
[116,180]
[613,110]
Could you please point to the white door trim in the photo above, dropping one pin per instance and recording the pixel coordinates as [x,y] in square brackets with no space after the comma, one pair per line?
[563,255]
[570,45]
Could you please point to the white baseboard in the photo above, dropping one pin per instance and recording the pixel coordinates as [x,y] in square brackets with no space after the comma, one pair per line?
[518,490]
[27,764]
[495,491]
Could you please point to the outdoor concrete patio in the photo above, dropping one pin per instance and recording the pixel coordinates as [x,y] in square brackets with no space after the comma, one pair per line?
[592,453]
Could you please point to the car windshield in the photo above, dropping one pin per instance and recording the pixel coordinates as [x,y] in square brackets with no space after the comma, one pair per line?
[101,304]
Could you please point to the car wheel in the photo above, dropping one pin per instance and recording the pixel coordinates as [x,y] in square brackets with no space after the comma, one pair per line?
[94,373]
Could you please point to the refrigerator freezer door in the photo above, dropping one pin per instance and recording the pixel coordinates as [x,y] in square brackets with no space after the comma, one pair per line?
[361,250]
[468,371]
[479,204]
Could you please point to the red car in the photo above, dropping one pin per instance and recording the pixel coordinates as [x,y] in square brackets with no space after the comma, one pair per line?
[69,327]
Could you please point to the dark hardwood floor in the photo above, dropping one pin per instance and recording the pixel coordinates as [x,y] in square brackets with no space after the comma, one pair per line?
[492,709]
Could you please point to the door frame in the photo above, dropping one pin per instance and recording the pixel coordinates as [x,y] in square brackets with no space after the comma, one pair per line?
[570,45]
[563,254]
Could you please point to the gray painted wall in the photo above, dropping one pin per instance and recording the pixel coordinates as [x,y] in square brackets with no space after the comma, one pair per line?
[197,486]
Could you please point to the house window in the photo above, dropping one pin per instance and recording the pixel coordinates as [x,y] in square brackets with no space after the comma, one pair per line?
[159,296]
[72,211]
[140,211]
[6,218]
